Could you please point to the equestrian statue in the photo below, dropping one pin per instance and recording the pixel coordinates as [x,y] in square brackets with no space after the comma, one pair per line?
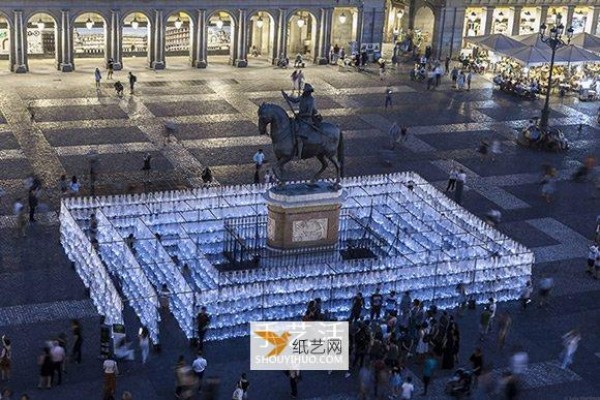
[304,136]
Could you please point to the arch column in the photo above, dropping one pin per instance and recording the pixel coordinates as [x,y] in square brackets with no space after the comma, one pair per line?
[18,39]
[156,55]
[115,40]
[241,42]
[281,34]
[200,43]
[66,42]
[489,18]
[273,54]
[324,42]
[515,26]
[570,11]
[360,26]
[594,20]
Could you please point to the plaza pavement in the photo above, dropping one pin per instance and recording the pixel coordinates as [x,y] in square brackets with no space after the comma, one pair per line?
[215,111]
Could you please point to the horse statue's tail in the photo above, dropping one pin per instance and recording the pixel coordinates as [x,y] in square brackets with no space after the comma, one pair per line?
[340,153]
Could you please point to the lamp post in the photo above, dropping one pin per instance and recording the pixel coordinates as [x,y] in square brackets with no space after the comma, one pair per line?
[554,40]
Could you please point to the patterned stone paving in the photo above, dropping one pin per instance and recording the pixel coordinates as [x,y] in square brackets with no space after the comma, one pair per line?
[215,114]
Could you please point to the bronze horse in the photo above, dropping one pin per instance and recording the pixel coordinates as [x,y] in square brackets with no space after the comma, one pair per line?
[328,146]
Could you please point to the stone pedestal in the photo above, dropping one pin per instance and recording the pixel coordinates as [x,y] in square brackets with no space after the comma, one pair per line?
[302,216]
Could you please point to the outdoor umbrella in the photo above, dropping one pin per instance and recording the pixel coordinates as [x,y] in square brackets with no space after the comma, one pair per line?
[575,55]
[496,42]
[586,41]
[531,39]
[531,56]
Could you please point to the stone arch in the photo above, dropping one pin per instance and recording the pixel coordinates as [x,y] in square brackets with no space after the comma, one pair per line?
[179,41]
[79,13]
[222,41]
[424,26]
[86,43]
[302,40]
[42,44]
[133,41]
[6,43]
[190,14]
[261,40]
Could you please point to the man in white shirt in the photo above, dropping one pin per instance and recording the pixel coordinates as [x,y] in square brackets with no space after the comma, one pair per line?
[57,354]
[199,366]
[591,260]
[407,389]
[259,158]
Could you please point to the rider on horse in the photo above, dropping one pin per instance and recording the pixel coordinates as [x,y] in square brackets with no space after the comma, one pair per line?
[307,115]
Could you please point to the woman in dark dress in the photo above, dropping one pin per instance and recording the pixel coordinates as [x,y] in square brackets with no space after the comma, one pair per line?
[46,369]
[449,348]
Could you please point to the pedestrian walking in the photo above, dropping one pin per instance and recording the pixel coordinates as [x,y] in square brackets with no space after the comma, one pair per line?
[144,340]
[5,359]
[238,393]
[74,186]
[525,296]
[147,166]
[484,322]
[376,303]
[294,78]
[447,65]
[388,98]
[469,76]
[548,184]
[454,77]
[461,179]
[452,176]
[403,134]
[519,361]
[438,74]
[570,343]
[77,341]
[593,253]
[546,285]
[483,149]
[259,158]
[364,377]
[407,389]
[132,82]
[110,68]
[19,211]
[461,81]
[32,200]
[300,81]
[46,369]
[111,370]
[504,324]
[430,78]
[294,376]
[57,353]
[495,149]
[358,303]
[199,367]
[429,367]
[244,384]
[98,78]
[203,321]
[476,361]
[394,135]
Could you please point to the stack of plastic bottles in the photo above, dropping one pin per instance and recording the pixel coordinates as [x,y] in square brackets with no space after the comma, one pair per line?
[428,245]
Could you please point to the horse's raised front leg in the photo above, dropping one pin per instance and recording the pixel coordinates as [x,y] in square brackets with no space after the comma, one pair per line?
[324,165]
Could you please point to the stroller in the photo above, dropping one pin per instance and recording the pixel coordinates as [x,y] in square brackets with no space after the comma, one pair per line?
[460,384]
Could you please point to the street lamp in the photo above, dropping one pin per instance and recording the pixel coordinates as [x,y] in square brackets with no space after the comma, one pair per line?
[342,18]
[178,23]
[554,40]
[259,22]
[300,22]
[219,23]
[135,24]
[472,17]
[89,23]
[40,24]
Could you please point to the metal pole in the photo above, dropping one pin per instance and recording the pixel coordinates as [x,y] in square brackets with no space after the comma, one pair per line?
[553,43]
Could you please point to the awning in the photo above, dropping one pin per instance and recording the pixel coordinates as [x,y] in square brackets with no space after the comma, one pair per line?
[531,56]
[572,54]
[586,41]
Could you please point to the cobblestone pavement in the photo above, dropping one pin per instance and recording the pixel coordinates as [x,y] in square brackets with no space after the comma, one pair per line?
[215,114]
